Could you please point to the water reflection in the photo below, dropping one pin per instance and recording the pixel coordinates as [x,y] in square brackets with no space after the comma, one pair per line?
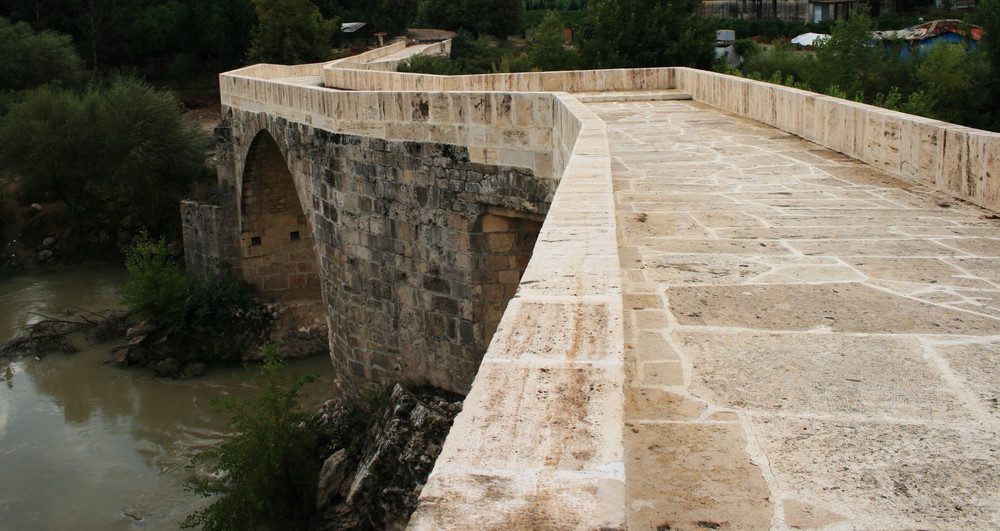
[85,445]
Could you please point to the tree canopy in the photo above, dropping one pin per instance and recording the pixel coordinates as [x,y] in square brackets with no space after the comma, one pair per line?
[290,32]
[648,33]
[29,59]
[498,18]
[546,48]
[118,150]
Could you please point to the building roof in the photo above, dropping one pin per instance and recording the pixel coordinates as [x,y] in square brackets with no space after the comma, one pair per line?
[351,27]
[809,39]
[931,29]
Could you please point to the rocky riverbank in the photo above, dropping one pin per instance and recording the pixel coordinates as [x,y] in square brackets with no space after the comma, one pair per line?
[189,354]
[377,459]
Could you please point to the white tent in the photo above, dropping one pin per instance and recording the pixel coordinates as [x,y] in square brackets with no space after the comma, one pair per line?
[809,39]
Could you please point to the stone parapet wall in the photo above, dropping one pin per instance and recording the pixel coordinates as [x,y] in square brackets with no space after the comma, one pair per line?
[509,129]
[362,60]
[538,444]
[959,161]
[569,81]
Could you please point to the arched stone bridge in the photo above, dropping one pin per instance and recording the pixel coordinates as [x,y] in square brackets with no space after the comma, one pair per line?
[676,299]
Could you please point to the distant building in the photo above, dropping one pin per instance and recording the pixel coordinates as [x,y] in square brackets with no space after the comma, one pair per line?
[790,10]
[928,34]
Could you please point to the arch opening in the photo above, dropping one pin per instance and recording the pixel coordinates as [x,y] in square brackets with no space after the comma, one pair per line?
[275,239]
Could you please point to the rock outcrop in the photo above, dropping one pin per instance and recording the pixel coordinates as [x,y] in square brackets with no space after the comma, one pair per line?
[377,467]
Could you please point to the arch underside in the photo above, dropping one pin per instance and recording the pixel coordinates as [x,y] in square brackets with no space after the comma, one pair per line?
[275,238]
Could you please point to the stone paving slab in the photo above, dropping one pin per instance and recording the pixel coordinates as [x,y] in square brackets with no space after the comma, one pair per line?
[809,341]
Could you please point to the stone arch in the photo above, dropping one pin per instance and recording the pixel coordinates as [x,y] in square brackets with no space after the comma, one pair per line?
[275,238]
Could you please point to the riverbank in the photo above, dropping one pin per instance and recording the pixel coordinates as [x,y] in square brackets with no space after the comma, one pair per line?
[86,445]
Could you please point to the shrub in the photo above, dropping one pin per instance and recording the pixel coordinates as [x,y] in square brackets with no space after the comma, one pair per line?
[266,474]
[426,64]
[217,318]
[157,288]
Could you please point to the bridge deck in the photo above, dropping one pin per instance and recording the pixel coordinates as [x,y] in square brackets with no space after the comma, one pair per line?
[809,341]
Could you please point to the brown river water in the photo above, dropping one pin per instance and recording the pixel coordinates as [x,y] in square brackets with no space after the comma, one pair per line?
[85,445]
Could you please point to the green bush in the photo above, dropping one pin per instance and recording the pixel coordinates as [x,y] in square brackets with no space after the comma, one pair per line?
[425,64]
[266,474]
[157,287]
[29,59]
[121,149]
[219,316]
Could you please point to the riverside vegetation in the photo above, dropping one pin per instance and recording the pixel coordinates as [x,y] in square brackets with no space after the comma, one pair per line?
[357,464]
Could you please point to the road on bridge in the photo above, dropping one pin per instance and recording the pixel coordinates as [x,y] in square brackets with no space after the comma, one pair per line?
[809,341]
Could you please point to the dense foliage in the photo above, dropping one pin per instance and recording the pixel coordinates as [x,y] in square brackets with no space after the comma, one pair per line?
[29,59]
[936,83]
[162,294]
[498,18]
[172,38]
[290,32]
[266,474]
[987,15]
[643,33]
[157,287]
[120,149]
[546,49]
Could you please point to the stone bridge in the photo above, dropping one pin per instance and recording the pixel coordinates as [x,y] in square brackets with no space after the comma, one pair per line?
[675,299]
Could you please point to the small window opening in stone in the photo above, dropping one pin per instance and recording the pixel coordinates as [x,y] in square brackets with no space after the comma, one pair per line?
[255,240]
[294,235]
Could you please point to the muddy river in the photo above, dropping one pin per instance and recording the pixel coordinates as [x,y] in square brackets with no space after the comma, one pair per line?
[85,445]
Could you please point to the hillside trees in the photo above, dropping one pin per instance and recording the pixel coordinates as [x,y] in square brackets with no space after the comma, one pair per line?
[290,32]
[948,81]
[546,49]
[167,37]
[648,33]
[987,15]
[117,150]
[29,59]
[948,74]
[498,18]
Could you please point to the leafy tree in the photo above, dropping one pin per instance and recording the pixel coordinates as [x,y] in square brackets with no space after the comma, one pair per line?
[648,33]
[159,31]
[394,16]
[426,64]
[102,26]
[499,18]
[948,77]
[267,472]
[496,17]
[987,15]
[29,59]
[848,58]
[222,31]
[117,150]
[290,32]
[157,287]
[546,48]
